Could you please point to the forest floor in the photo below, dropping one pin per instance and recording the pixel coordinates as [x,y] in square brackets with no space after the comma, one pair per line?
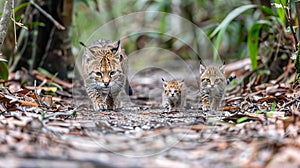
[253,129]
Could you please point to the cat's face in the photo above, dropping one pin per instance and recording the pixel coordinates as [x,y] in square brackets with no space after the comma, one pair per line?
[212,76]
[172,88]
[103,67]
[104,73]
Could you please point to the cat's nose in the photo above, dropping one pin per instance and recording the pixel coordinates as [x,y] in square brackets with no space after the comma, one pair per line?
[106,84]
[172,94]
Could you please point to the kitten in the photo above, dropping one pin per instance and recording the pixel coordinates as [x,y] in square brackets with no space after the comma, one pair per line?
[172,96]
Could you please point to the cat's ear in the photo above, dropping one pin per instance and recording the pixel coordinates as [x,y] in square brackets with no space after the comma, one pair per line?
[165,83]
[116,47]
[222,68]
[88,54]
[202,69]
[181,83]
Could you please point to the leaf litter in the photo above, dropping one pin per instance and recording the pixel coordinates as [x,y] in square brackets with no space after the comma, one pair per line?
[42,125]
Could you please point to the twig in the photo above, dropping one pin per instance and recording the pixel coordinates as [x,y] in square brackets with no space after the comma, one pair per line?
[4,22]
[36,94]
[15,31]
[69,113]
[19,24]
[287,14]
[47,46]
[57,25]
[43,77]
[290,102]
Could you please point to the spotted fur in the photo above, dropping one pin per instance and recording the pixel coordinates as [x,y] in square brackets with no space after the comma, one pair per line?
[104,68]
[212,86]
[172,96]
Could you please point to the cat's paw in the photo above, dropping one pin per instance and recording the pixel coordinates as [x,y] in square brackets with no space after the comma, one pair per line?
[165,106]
[205,108]
[100,107]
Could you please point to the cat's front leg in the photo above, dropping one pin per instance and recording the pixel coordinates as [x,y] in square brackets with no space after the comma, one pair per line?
[97,101]
[205,103]
[100,106]
[216,103]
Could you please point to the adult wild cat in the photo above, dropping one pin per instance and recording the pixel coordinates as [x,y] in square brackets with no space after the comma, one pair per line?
[212,86]
[104,69]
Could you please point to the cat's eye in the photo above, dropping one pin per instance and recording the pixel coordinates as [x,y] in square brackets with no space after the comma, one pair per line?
[175,91]
[98,73]
[217,80]
[112,73]
[170,91]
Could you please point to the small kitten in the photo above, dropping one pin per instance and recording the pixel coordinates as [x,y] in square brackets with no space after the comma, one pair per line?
[212,86]
[172,96]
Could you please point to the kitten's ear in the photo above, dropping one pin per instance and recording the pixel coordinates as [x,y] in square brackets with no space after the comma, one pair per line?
[165,83]
[222,68]
[202,69]
[181,83]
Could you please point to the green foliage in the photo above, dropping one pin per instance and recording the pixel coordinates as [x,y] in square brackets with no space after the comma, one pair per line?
[223,26]
[43,115]
[43,71]
[22,5]
[242,119]
[83,1]
[273,106]
[55,85]
[74,114]
[253,39]
[3,69]
[280,9]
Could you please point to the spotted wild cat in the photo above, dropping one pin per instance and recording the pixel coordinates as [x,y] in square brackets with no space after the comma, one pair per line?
[173,96]
[104,68]
[212,86]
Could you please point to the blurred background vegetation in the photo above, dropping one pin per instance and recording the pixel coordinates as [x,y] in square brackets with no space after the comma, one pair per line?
[265,30]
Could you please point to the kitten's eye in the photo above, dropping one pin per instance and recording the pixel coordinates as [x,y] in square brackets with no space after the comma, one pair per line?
[175,91]
[112,73]
[217,80]
[207,80]
[170,90]
[98,73]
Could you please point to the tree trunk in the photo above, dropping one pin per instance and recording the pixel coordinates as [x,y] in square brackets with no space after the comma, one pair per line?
[5,20]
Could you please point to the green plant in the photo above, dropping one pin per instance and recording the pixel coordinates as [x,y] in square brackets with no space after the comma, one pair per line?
[3,69]
[220,30]
[256,28]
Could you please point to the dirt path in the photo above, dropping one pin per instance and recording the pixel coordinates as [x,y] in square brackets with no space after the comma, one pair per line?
[249,132]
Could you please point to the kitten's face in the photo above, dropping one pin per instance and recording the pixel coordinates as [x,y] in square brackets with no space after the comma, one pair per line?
[212,76]
[172,88]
